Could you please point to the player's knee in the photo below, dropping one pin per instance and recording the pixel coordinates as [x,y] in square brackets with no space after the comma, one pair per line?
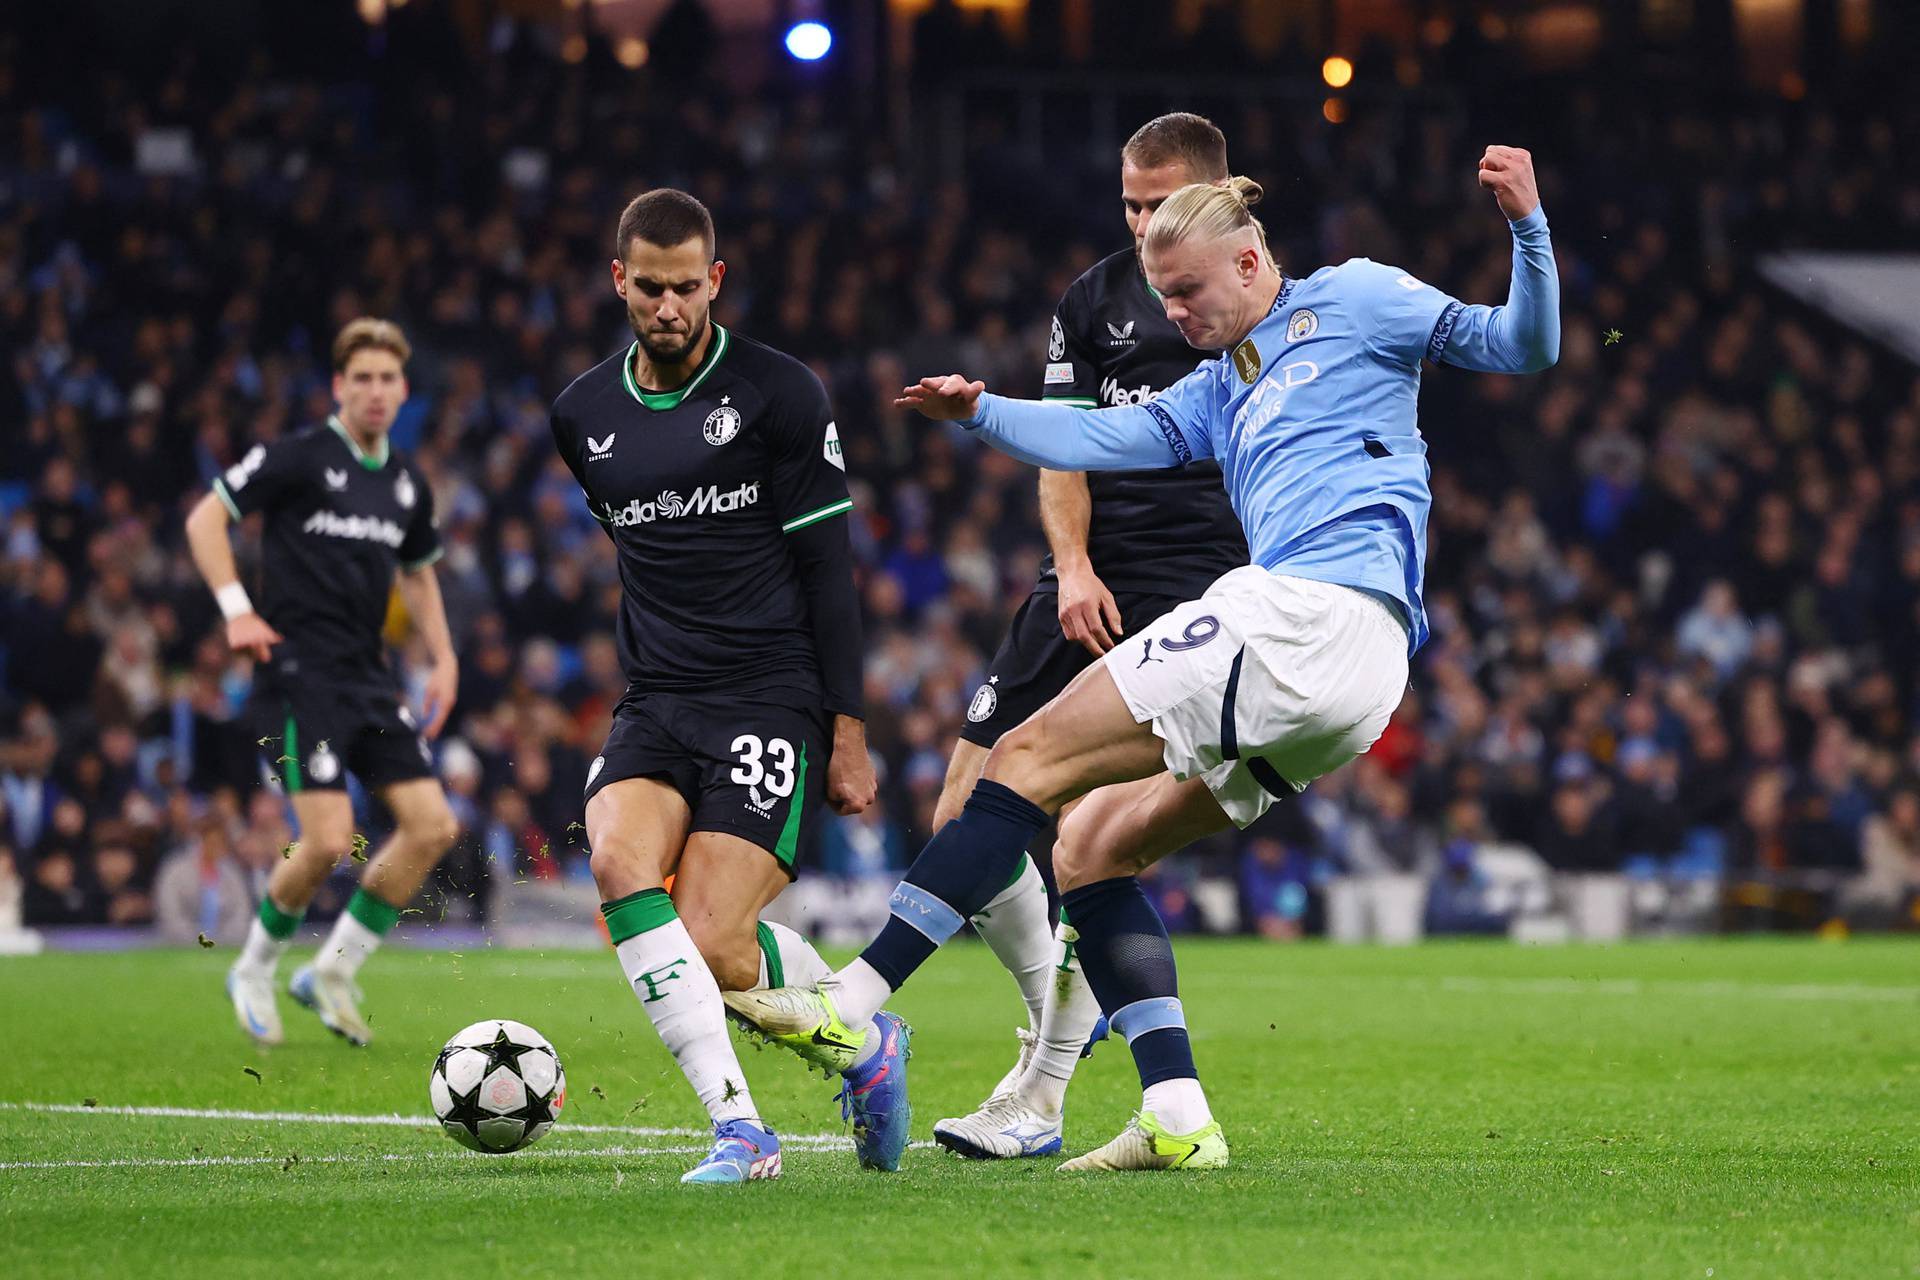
[1020,762]
[949,806]
[1074,854]
[732,955]
[325,847]
[616,866]
[434,831]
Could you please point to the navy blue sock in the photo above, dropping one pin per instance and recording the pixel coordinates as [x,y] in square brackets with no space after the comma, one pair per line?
[1128,959]
[962,869]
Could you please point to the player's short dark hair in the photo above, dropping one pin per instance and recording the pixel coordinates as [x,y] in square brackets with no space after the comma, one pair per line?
[369,334]
[1180,137]
[665,217]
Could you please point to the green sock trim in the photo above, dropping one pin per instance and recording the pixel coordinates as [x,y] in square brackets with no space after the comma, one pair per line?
[1020,870]
[770,948]
[635,914]
[278,924]
[371,912]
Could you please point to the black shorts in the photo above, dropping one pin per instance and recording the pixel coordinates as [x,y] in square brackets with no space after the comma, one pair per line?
[313,733]
[1036,661]
[745,766]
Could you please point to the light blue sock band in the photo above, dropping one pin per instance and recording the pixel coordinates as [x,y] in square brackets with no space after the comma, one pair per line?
[1143,1016]
[928,915]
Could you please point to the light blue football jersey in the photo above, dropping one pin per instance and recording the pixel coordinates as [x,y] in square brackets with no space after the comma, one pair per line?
[1313,418]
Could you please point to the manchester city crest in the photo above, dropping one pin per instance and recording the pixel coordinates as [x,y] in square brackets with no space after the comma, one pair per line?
[1302,324]
[723,424]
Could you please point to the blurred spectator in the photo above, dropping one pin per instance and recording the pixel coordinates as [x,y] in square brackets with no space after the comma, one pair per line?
[204,889]
[1675,582]
[1273,889]
[1889,891]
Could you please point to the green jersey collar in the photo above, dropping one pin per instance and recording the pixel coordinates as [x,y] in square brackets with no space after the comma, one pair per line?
[371,461]
[661,400]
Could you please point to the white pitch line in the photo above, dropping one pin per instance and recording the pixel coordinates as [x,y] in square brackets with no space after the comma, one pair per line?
[392,1119]
[211,1162]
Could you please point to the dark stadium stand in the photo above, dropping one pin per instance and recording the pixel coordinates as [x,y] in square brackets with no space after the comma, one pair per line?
[1675,582]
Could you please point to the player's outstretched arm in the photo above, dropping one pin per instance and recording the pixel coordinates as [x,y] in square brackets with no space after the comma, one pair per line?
[1524,335]
[420,590]
[247,631]
[1061,436]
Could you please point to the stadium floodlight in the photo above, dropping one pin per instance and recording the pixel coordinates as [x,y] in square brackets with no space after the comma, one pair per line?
[1337,72]
[809,41]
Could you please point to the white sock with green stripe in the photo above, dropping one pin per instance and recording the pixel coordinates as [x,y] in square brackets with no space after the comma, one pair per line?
[787,959]
[357,933]
[1015,925]
[679,993]
[267,937]
[1069,1019]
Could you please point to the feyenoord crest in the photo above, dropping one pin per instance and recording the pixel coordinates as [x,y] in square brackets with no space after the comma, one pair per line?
[403,491]
[1246,362]
[723,424]
[1056,341]
[984,701]
[322,764]
[1302,324]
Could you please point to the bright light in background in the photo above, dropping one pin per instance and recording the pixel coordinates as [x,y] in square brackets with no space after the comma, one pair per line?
[1337,72]
[809,41]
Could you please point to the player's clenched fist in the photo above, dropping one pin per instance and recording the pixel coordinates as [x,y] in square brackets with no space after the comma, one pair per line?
[252,634]
[1508,173]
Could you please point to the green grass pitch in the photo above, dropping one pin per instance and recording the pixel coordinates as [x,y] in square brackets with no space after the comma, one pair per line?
[1699,1109]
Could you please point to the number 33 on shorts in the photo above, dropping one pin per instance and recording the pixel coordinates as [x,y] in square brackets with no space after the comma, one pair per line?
[770,762]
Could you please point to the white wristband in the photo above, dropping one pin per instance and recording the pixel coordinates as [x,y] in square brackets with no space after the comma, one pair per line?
[233,601]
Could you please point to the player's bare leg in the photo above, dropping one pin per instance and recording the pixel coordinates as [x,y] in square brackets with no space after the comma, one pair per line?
[326,836]
[424,826]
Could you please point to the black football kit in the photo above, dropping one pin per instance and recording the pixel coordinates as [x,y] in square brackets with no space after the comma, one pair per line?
[739,629]
[339,521]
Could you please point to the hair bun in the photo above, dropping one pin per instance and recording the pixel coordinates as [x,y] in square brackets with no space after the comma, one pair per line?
[1247,189]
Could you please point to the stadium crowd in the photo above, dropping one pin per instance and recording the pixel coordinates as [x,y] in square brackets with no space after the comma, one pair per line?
[1675,582]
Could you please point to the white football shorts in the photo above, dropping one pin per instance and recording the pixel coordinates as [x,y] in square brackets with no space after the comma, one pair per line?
[1265,683]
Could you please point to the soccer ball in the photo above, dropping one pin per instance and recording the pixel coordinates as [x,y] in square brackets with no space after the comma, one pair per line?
[498,1086]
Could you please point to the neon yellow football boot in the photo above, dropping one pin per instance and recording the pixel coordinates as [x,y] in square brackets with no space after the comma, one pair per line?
[802,1019]
[1146,1144]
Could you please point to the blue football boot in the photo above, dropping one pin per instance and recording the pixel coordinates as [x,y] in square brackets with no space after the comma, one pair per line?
[743,1150]
[874,1097]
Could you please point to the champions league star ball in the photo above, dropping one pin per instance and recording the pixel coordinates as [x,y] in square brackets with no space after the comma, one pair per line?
[498,1086]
